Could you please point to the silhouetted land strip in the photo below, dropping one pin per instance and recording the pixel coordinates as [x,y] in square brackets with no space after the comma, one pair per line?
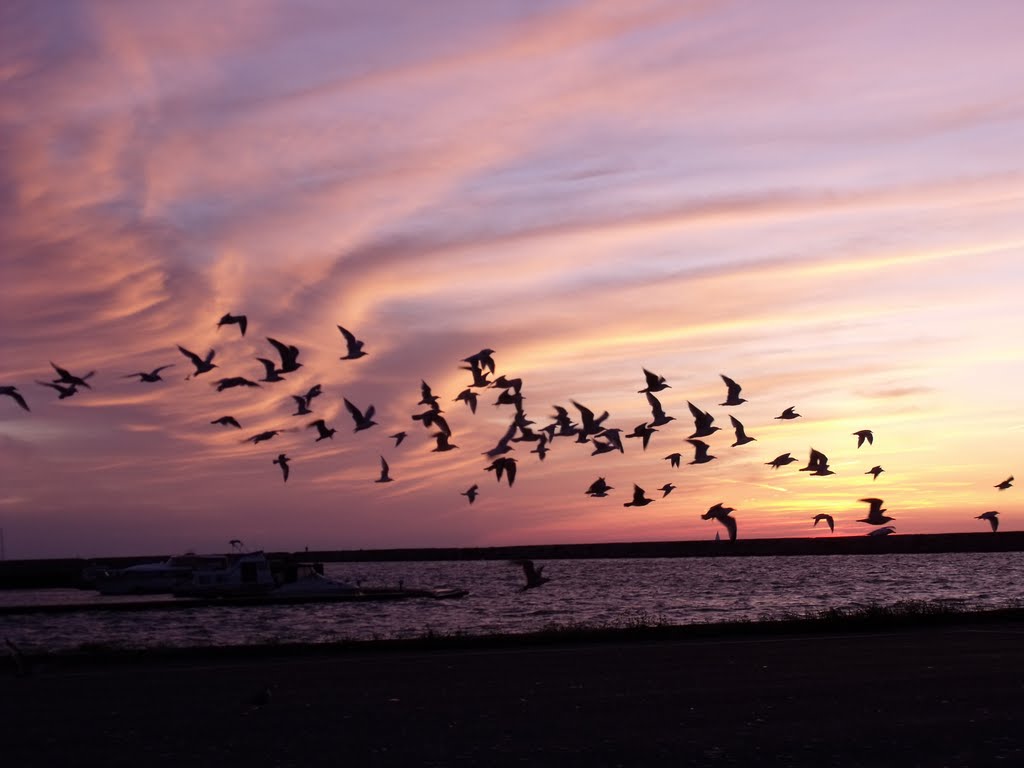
[23,574]
[893,694]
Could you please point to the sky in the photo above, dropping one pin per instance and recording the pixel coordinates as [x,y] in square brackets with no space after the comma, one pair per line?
[820,200]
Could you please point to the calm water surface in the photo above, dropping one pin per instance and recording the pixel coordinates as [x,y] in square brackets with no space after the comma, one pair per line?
[581,592]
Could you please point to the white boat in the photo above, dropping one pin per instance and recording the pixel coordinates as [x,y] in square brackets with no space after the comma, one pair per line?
[236,575]
[161,577]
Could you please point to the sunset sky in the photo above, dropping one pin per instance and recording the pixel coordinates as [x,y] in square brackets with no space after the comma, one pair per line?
[824,201]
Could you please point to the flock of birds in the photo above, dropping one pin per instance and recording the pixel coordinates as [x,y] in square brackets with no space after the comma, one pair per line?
[588,427]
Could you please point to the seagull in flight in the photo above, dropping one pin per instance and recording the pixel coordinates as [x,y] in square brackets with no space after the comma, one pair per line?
[431,418]
[14,394]
[481,360]
[733,396]
[322,429]
[590,425]
[64,391]
[398,437]
[301,405]
[240,320]
[1007,483]
[151,376]
[875,516]
[721,514]
[780,461]
[702,421]
[660,418]
[355,346]
[232,382]
[598,488]
[817,464]
[471,492]
[202,364]
[227,421]
[639,499]
[442,443]
[262,436]
[503,464]
[992,517]
[674,459]
[741,433]
[67,377]
[362,420]
[864,434]
[384,476]
[271,372]
[469,397]
[875,471]
[885,531]
[666,489]
[828,519]
[534,573]
[643,430]
[283,461]
[289,356]
[701,455]
[789,413]
[427,397]
[655,383]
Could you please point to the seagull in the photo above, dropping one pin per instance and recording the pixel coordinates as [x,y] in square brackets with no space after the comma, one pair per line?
[479,376]
[469,397]
[992,518]
[481,360]
[262,436]
[542,447]
[302,405]
[428,397]
[702,421]
[828,519]
[289,356]
[442,443]
[471,492]
[355,347]
[875,471]
[864,434]
[64,391]
[363,421]
[232,382]
[384,476]
[666,489]
[674,459]
[315,391]
[322,429]
[817,464]
[150,377]
[780,461]
[398,437]
[1007,483]
[67,378]
[741,434]
[875,516]
[227,421]
[431,418]
[502,445]
[240,320]
[202,364]
[882,531]
[639,499]
[721,514]
[644,431]
[733,397]
[701,448]
[660,418]
[14,394]
[655,383]
[503,464]
[502,382]
[598,488]
[590,425]
[534,577]
[272,374]
[283,461]
[789,413]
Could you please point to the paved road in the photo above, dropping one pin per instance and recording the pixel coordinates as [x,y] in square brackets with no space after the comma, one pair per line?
[927,697]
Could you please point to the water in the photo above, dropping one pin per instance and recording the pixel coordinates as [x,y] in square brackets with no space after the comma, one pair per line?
[605,592]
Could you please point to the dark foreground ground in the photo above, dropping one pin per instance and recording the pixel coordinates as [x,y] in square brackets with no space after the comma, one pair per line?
[945,696]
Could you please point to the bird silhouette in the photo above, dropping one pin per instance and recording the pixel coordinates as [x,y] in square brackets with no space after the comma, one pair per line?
[643,431]
[701,455]
[433,418]
[15,395]
[227,421]
[733,395]
[481,360]
[666,489]
[66,377]
[817,464]
[828,519]
[864,434]
[427,397]
[384,476]
[875,516]
[471,492]
[655,383]
[992,517]
[322,429]
[741,434]
[659,417]
[283,461]
[355,347]
[503,465]
[232,382]
[289,356]
[63,392]
[702,421]
[202,364]
[722,514]
[150,377]
[598,488]
[789,413]
[270,370]
[398,437]
[362,420]
[674,459]
[534,573]
[469,397]
[542,447]
[780,461]
[262,436]
[240,320]
[875,471]
[589,424]
[442,443]
[301,405]
[885,531]
[1007,483]
[502,446]
[639,499]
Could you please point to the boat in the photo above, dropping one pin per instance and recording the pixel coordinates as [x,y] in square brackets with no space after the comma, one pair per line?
[245,574]
[162,577]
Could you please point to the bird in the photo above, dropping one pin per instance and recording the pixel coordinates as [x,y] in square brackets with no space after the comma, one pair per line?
[362,420]
[817,464]
[384,476]
[322,429]
[542,447]
[741,434]
[64,391]
[598,488]
[14,394]
[502,445]
[780,461]
[789,413]
[398,437]
[992,517]
[533,573]
[673,459]
[655,383]
[315,391]
[702,421]
[666,489]
[68,378]
[271,372]
[481,360]
[469,397]
[283,461]
[232,382]
[355,347]
[733,396]
[262,436]
[875,471]
[202,364]
[227,421]
[503,464]
[639,499]
[289,356]
[432,418]
[828,519]
[701,455]
[471,492]
[864,434]
[875,516]
[479,376]
[151,376]
[240,320]
[442,443]
[302,405]
[660,418]
[503,382]
[720,513]
[590,424]
[1007,483]
[885,531]
[644,431]
[427,397]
